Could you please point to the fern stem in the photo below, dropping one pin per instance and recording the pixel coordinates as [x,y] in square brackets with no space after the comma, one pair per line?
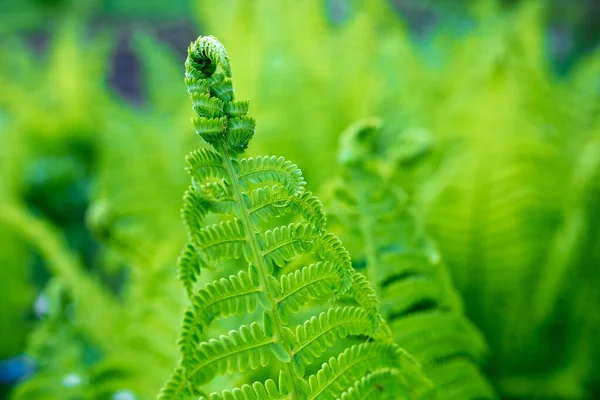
[258,258]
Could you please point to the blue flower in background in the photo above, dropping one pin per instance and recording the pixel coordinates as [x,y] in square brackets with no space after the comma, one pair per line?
[15,368]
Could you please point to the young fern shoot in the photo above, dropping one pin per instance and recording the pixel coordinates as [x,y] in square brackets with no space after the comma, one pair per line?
[417,297]
[251,192]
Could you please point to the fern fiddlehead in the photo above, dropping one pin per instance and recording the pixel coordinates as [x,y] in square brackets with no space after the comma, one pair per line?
[418,299]
[250,193]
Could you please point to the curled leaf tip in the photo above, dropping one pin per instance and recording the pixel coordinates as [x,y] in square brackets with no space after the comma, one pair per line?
[207,55]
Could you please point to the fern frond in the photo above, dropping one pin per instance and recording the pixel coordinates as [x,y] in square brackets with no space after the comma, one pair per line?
[331,249]
[239,132]
[221,241]
[229,296]
[417,297]
[376,385]
[456,335]
[205,57]
[319,333]
[210,129]
[210,123]
[269,203]
[192,333]
[257,391]
[223,184]
[284,243]
[216,197]
[203,164]
[271,169]
[177,387]
[364,295]
[221,88]
[455,378]
[197,85]
[189,264]
[400,266]
[248,347]
[412,292]
[339,374]
[237,108]
[194,209]
[315,281]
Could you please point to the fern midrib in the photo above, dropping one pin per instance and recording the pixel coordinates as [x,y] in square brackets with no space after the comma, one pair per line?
[257,255]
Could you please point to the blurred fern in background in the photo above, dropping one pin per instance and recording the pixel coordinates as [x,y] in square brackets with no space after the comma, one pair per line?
[388,244]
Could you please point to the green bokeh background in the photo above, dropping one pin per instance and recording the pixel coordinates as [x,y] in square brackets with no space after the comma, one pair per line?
[498,99]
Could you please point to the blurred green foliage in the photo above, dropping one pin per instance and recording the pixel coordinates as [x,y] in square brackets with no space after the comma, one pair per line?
[494,138]
[107,240]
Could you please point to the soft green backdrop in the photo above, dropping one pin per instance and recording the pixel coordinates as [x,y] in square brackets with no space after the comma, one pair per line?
[499,100]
